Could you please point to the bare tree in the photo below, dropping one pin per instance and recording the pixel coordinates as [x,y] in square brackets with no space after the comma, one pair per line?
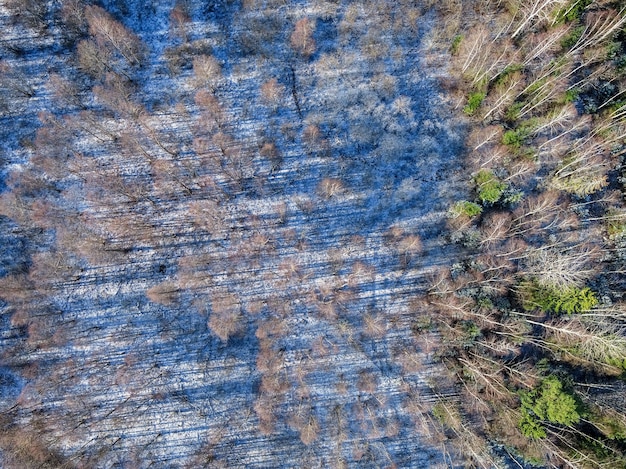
[330,187]
[502,96]
[533,12]
[64,90]
[226,318]
[208,215]
[600,344]
[495,228]
[481,58]
[179,19]
[92,58]
[409,246]
[31,13]
[306,424]
[116,93]
[584,170]
[207,71]
[301,38]
[73,17]
[272,92]
[112,35]
[557,268]
[165,293]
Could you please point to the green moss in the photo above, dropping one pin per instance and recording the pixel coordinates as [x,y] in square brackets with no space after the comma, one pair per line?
[513,112]
[570,96]
[572,38]
[507,72]
[466,208]
[456,44]
[615,228]
[489,187]
[572,11]
[473,103]
[610,426]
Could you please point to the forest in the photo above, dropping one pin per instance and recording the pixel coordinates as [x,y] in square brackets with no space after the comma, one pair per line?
[312,233]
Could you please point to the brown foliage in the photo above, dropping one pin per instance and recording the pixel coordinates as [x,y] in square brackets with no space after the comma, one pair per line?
[272,92]
[31,13]
[26,449]
[306,424]
[374,325]
[93,59]
[268,150]
[264,407]
[367,382]
[15,207]
[208,215]
[410,245]
[301,38]
[179,17]
[20,293]
[73,17]
[164,293]
[211,108]
[64,91]
[495,227]
[15,85]
[225,319]
[329,187]
[207,71]
[116,93]
[113,36]
[51,268]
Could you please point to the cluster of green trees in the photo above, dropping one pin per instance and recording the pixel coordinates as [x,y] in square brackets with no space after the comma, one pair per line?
[532,318]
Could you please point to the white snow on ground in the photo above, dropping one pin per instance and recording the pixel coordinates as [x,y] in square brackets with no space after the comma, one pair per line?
[139,382]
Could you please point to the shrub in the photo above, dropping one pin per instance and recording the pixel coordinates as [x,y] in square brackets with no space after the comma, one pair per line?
[570,95]
[328,187]
[473,103]
[572,38]
[456,44]
[615,228]
[507,72]
[467,208]
[572,11]
[551,300]
[489,187]
[547,403]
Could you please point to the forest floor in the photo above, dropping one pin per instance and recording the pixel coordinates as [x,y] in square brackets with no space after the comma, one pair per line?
[322,249]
